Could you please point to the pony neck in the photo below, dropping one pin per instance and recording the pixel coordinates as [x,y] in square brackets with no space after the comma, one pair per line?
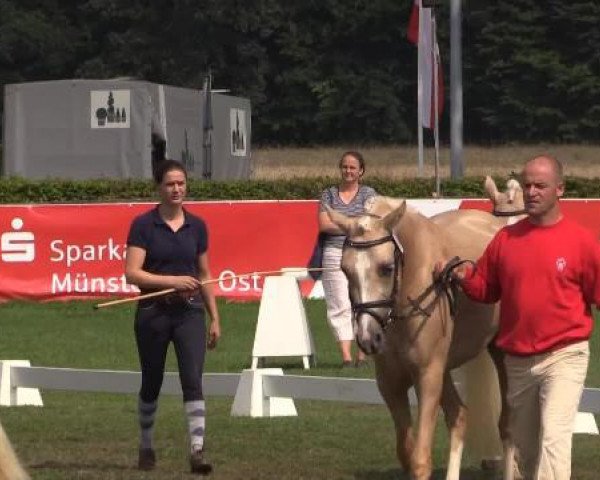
[420,239]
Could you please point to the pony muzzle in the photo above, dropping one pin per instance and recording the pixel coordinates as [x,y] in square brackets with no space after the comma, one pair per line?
[370,329]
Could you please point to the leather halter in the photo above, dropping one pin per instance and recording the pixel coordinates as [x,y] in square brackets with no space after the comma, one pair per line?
[367,307]
[495,213]
[443,283]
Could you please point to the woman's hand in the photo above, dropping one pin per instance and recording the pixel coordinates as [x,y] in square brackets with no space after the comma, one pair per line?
[214,333]
[185,283]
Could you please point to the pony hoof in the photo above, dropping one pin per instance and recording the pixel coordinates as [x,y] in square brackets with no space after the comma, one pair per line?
[492,464]
[146,459]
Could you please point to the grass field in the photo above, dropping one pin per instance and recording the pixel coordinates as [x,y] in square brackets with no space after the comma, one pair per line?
[94,436]
[401,161]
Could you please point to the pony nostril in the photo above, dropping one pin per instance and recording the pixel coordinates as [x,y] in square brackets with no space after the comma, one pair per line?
[361,346]
[378,339]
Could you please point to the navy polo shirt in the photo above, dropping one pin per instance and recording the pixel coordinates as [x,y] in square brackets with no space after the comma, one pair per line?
[169,252]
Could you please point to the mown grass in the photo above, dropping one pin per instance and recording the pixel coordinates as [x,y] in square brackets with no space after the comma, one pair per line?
[401,161]
[94,436]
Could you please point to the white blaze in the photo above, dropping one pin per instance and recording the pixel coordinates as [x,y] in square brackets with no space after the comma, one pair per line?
[363,264]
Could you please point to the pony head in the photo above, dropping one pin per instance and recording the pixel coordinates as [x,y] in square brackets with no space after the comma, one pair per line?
[371,261]
[509,201]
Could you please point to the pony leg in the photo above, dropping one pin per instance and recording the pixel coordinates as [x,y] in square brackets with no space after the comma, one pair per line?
[509,461]
[455,414]
[508,447]
[429,391]
[10,468]
[395,396]
[498,359]
[484,412]
[400,411]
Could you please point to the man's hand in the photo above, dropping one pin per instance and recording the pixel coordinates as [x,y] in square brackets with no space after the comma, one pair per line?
[458,273]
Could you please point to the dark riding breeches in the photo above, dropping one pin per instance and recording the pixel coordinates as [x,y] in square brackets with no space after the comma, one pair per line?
[156,325]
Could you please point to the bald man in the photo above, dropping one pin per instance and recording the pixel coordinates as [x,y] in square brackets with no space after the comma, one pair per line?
[545,271]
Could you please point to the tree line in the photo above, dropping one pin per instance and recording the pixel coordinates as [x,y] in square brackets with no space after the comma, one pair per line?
[328,71]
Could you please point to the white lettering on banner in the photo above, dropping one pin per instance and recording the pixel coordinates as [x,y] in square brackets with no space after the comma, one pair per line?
[228,282]
[17,246]
[81,283]
[72,253]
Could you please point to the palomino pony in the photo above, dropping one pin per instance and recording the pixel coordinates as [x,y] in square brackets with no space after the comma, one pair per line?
[417,326]
[477,375]
[10,469]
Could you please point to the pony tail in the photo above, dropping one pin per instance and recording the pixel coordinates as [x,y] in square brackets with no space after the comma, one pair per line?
[10,468]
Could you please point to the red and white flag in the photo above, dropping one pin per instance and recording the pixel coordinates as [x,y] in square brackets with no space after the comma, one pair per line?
[429,54]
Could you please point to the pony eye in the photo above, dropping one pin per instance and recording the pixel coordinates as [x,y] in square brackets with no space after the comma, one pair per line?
[386,269]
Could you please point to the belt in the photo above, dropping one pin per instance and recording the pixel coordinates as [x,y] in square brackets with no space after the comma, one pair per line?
[174,301]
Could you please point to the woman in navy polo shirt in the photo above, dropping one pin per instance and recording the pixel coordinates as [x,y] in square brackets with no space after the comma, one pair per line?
[167,248]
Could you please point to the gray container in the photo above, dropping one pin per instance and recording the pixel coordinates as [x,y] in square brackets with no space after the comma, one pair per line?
[81,129]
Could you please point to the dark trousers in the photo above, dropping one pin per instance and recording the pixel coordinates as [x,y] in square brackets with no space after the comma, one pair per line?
[155,327]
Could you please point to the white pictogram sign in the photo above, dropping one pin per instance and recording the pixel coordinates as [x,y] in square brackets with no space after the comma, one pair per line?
[239,136]
[110,108]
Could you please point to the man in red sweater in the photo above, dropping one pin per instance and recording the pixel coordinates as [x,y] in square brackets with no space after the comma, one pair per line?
[545,271]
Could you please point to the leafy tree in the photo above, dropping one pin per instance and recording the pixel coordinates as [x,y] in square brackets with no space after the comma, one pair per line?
[523,78]
[38,40]
[575,37]
[324,71]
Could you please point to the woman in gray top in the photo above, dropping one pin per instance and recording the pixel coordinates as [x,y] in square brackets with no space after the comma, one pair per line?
[348,197]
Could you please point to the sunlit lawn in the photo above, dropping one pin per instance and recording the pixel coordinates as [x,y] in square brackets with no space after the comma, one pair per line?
[94,436]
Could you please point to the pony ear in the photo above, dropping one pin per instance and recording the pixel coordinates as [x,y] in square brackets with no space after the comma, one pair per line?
[513,184]
[490,188]
[392,218]
[381,206]
[512,188]
[339,219]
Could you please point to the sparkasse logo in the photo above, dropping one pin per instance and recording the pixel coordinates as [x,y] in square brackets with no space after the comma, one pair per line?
[17,246]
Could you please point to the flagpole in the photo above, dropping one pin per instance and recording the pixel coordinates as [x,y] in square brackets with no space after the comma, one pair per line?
[456,92]
[420,90]
[436,118]
[207,128]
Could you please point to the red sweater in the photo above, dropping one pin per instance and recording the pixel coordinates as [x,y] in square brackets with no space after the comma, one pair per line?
[546,278]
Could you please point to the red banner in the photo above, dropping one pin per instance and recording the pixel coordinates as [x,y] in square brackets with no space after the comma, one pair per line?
[61,252]
[50,252]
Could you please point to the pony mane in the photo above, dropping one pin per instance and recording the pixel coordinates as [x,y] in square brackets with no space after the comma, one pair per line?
[380,205]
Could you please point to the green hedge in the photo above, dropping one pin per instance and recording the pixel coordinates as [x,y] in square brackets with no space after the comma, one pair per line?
[18,190]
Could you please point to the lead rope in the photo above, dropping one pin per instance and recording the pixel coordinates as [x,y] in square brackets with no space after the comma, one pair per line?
[449,284]
[442,283]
